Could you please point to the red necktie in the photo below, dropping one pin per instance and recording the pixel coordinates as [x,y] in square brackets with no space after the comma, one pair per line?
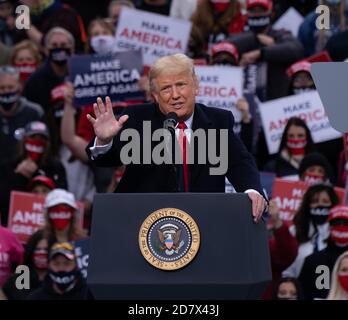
[183,146]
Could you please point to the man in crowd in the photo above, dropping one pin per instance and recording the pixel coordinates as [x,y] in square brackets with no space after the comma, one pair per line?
[15,112]
[272,51]
[59,46]
[64,280]
[174,86]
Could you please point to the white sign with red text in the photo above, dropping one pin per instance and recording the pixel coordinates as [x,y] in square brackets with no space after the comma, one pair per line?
[156,35]
[307,106]
[220,87]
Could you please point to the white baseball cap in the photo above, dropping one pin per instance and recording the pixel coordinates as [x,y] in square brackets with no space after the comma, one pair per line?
[60,196]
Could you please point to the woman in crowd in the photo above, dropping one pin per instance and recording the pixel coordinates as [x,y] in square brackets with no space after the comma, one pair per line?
[101,36]
[35,258]
[287,289]
[296,142]
[41,185]
[339,279]
[61,217]
[337,244]
[26,58]
[315,168]
[311,225]
[35,158]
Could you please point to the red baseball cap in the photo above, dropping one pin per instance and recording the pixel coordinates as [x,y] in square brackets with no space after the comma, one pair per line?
[302,65]
[268,4]
[225,47]
[43,180]
[338,212]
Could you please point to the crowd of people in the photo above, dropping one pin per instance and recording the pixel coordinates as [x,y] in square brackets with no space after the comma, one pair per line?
[43,136]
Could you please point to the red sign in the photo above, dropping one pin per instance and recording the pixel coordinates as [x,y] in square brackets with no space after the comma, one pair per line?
[26,214]
[288,196]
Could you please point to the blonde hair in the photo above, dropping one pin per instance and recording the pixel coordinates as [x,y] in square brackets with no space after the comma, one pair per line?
[174,64]
[336,291]
[59,30]
[26,45]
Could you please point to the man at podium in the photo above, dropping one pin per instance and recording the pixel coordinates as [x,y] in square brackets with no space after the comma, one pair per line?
[174,86]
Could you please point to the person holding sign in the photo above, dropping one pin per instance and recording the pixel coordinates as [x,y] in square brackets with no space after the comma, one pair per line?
[174,86]
[226,54]
[266,50]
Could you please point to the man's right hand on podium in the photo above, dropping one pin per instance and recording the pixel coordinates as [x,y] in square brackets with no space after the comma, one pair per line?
[105,125]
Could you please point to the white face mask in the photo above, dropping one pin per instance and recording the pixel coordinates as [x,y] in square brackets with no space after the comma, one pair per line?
[102,44]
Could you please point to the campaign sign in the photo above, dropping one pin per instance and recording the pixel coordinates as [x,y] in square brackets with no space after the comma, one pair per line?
[288,197]
[26,214]
[115,75]
[220,87]
[82,255]
[307,106]
[156,35]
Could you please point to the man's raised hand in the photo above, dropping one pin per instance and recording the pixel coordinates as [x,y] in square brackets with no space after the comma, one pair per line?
[105,125]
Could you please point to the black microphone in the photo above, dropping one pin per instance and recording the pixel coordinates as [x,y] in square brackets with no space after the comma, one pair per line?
[169,124]
[171,121]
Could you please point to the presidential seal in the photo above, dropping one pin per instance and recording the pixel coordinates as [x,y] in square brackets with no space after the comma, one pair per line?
[169,239]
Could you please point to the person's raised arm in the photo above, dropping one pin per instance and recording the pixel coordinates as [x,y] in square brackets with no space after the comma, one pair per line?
[68,134]
[105,125]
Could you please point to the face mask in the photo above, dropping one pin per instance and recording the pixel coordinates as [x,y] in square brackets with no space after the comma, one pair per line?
[302,90]
[63,280]
[343,280]
[7,100]
[40,259]
[102,44]
[59,56]
[60,216]
[339,234]
[296,146]
[312,178]
[259,24]
[319,215]
[25,70]
[35,148]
